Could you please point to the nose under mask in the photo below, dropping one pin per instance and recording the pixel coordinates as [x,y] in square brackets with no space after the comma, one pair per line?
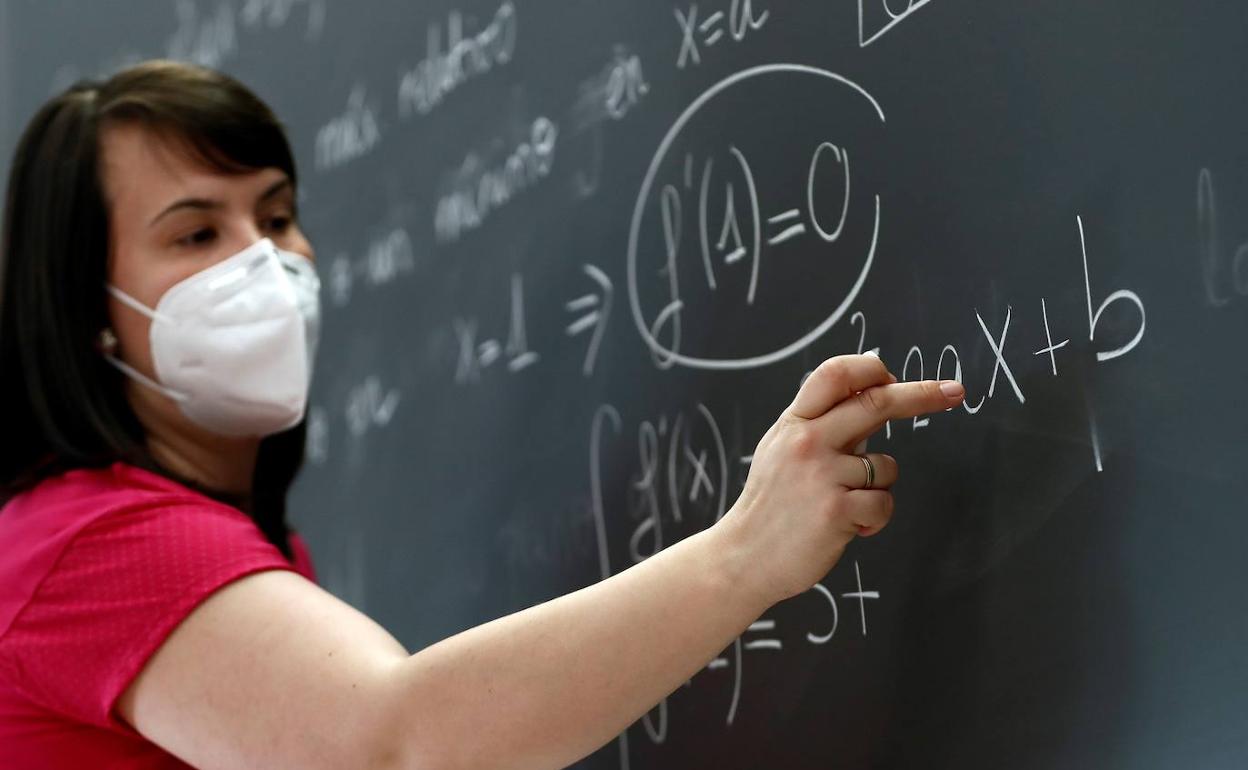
[233,344]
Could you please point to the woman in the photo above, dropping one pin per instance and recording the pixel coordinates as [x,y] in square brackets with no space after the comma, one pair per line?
[157,319]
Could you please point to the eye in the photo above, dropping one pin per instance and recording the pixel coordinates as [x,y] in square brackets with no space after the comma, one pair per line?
[280,223]
[198,238]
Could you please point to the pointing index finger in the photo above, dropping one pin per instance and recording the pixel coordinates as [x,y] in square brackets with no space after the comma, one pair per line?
[856,418]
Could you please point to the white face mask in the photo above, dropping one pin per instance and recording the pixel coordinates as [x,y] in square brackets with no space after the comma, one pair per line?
[233,344]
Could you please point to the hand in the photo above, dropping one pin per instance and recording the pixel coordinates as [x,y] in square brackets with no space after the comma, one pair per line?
[804,499]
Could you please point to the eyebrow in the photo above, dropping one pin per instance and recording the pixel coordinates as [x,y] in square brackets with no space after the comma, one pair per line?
[205,204]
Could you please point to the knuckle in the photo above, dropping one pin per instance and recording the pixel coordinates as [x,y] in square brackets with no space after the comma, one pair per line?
[889,505]
[788,421]
[804,442]
[832,372]
[873,400]
[834,507]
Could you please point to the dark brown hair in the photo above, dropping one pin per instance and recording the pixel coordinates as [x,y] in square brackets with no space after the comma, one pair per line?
[65,405]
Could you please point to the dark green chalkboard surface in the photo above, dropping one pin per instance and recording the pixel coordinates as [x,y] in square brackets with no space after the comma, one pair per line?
[578,255]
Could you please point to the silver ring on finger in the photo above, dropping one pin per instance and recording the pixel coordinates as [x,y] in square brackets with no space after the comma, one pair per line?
[870,469]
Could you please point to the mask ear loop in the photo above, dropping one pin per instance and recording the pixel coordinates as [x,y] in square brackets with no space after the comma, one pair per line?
[127,369]
[131,302]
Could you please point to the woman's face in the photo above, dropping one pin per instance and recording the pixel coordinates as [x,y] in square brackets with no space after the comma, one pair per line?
[170,216]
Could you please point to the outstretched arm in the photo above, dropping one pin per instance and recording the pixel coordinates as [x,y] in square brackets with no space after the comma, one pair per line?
[271,671]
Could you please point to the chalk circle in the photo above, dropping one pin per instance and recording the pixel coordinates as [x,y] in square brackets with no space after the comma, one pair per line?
[643,197]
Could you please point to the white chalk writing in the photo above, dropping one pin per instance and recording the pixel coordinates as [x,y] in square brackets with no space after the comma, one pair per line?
[697,34]
[876,17]
[741,238]
[478,190]
[349,136]
[276,14]
[388,257]
[1214,270]
[476,356]
[370,405]
[598,306]
[207,40]
[423,88]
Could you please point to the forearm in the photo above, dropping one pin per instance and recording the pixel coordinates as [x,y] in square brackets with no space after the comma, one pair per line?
[548,685]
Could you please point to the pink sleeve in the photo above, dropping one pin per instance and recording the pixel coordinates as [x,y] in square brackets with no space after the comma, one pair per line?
[120,587]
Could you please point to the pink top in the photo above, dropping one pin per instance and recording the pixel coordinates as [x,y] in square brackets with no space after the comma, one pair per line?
[97,567]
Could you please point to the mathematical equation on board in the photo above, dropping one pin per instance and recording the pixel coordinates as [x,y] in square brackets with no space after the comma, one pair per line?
[479,351]
[715,226]
[763,636]
[703,237]
[744,249]
[462,48]
[710,219]
[687,471]
[739,19]
[1003,371]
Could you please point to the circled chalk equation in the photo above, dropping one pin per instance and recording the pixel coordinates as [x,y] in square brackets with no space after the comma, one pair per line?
[705,234]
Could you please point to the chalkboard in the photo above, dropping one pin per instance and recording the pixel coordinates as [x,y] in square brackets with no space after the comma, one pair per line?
[577,256]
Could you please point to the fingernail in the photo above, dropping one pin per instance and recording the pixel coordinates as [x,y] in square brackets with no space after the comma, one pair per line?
[871,353]
[952,389]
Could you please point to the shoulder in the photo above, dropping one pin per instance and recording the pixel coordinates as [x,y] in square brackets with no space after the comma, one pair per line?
[67,503]
[98,522]
[101,566]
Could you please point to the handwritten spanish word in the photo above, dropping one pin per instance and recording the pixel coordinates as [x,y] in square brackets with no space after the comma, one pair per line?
[211,38]
[207,40]
[348,136]
[277,14]
[387,258]
[876,17]
[478,189]
[1004,364]
[626,85]
[612,93]
[477,356]
[738,21]
[1220,278]
[370,406]
[606,97]
[423,88]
